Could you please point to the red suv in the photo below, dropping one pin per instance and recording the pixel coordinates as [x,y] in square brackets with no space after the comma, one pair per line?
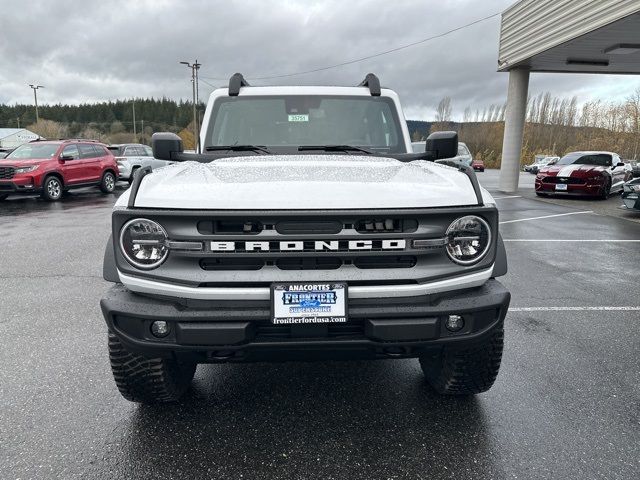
[50,168]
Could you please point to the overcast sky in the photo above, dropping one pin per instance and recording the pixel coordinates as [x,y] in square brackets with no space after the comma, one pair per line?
[86,51]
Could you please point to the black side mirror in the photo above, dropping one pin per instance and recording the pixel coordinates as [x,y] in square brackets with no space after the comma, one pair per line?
[620,164]
[66,158]
[164,144]
[442,145]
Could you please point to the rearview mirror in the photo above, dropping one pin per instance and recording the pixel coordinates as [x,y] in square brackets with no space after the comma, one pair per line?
[164,144]
[442,145]
[620,164]
[65,158]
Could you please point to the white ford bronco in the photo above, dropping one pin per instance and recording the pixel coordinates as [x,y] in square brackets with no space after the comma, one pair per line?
[304,228]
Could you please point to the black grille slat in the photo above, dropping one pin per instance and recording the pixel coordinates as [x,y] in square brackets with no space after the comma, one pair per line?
[305,227]
[567,180]
[226,264]
[402,261]
[7,173]
[386,225]
[309,263]
[230,227]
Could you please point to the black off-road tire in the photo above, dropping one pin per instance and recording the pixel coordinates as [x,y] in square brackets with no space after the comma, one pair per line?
[52,189]
[466,371]
[148,380]
[108,182]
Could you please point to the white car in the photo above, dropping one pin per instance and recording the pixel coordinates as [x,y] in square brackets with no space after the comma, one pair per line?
[462,159]
[132,156]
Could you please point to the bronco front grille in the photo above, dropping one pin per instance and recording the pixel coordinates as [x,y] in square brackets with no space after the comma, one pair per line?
[7,173]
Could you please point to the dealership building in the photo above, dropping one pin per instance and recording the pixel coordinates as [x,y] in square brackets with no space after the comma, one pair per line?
[14,137]
[560,36]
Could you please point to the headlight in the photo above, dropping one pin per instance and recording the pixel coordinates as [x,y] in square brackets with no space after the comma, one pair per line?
[468,239]
[28,169]
[142,243]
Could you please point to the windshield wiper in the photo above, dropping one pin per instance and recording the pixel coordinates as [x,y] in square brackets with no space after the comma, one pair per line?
[334,148]
[238,148]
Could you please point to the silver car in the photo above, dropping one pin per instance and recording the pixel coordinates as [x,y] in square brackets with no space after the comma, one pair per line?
[463,159]
[132,156]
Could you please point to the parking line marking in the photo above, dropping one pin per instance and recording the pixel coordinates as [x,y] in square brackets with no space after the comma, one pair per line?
[512,196]
[566,240]
[575,309]
[545,216]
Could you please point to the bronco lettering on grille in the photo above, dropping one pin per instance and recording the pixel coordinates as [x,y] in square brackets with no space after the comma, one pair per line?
[307,245]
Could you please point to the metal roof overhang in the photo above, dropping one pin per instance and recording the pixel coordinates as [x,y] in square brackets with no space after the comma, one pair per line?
[573,36]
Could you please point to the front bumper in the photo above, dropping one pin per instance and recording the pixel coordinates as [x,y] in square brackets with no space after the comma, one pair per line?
[26,186]
[234,331]
[587,188]
[124,171]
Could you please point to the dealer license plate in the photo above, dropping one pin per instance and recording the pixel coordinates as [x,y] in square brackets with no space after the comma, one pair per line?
[561,187]
[308,303]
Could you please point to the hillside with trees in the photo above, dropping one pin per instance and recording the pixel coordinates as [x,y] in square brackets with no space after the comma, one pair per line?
[554,125]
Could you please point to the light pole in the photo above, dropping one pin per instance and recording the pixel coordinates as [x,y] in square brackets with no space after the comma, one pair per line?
[35,97]
[194,85]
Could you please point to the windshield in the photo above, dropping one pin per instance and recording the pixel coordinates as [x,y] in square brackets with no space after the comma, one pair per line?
[462,150]
[600,159]
[34,151]
[298,120]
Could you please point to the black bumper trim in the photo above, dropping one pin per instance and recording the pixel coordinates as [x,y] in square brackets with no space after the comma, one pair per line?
[377,327]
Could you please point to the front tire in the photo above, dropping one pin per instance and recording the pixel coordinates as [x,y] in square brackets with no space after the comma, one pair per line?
[606,189]
[52,189]
[148,380]
[466,370]
[108,183]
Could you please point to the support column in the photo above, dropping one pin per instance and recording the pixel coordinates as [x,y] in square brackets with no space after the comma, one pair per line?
[514,129]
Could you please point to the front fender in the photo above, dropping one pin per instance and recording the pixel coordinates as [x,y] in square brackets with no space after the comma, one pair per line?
[500,265]
[109,269]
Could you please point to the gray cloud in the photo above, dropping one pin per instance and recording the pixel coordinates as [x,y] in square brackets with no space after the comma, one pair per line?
[88,51]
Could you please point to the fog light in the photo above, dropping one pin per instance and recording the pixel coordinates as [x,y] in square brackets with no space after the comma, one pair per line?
[160,328]
[454,323]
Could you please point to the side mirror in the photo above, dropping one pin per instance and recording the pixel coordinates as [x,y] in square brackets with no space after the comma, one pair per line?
[442,145]
[66,158]
[620,164]
[164,144]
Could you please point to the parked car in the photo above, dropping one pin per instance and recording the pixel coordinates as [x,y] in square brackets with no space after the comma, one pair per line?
[462,159]
[214,262]
[132,156]
[51,168]
[583,173]
[5,151]
[539,163]
[634,167]
[631,194]
[477,165]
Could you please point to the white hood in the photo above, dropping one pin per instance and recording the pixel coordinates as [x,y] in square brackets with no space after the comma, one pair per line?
[304,182]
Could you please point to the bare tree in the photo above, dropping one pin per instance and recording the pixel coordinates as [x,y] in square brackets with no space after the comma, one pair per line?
[466,117]
[443,110]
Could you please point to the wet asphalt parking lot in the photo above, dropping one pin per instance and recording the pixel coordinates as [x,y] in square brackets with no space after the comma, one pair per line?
[565,405]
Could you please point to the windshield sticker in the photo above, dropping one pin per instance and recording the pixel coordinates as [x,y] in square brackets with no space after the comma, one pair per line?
[299,118]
